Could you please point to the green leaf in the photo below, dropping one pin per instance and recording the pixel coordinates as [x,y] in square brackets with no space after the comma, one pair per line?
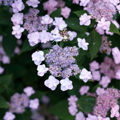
[87,103]
[79,12]
[38,94]
[95,43]
[56,13]
[26,47]
[61,110]
[9,44]
[5,81]
[3,103]
[73,23]
[113,29]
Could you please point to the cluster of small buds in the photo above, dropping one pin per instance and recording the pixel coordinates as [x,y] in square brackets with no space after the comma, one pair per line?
[105,47]
[106,101]
[109,68]
[61,61]
[52,5]
[3,57]
[33,22]
[17,18]
[6,2]
[100,8]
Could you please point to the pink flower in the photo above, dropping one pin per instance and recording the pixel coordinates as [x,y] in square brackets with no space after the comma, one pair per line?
[94,65]
[1,70]
[72,35]
[9,116]
[46,19]
[17,18]
[115,111]
[18,6]
[29,91]
[72,99]
[5,59]
[80,116]
[100,91]
[34,104]
[59,23]
[85,19]
[65,12]
[73,109]
[84,89]
[91,117]
[105,81]
[117,74]
[84,2]
[96,75]
[75,1]
[33,3]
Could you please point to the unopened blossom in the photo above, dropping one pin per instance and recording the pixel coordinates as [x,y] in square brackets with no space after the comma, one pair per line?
[17,6]
[1,70]
[94,65]
[73,109]
[29,91]
[115,111]
[84,89]
[72,99]
[116,55]
[59,23]
[9,116]
[46,19]
[51,82]
[65,12]
[17,31]
[85,75]
[84,2]
[91,117]
[100,91]
[72,35]
[44,36]
[17,18]
[34,104]
[80,116]
[33,3]
[33,38]
[96,75]
[41,70]
[85,19]
[82,43]
[104,81]
[66,84]
[38,57]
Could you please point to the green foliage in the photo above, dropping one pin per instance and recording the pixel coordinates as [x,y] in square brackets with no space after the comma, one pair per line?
[26,47]
[80,12]
[61,110]
[114,29]
[3,103]
[87,103]
[56,13]
[4,82]
[95,43]
[73,23]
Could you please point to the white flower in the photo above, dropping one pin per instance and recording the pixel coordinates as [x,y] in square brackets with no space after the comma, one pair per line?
[51,82]
[85,75]
[41,70]
[82,43]
[66,84]
[29,91]
[85,19]
[84,2]
[38,57]
[9,116]
[72,35]
[34,104]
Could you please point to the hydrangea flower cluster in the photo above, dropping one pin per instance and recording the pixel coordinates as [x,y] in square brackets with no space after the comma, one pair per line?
[105,102]
[19,102]
[61,61]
